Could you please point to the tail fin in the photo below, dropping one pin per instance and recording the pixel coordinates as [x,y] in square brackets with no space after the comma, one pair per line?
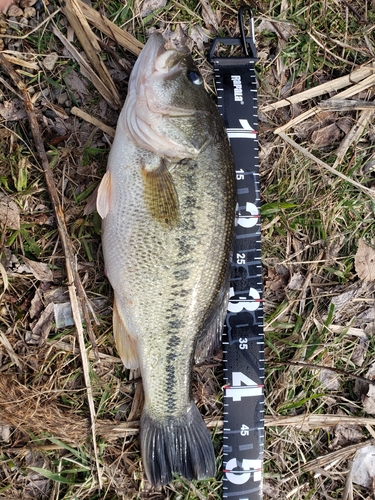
[176,444]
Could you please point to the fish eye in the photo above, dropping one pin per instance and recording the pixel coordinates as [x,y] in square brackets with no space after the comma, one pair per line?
[195,77]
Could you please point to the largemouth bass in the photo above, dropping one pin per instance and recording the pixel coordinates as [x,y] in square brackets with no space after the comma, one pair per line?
[167,201]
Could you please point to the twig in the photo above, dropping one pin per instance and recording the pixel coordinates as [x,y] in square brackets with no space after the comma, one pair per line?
[345,61]
[309,422]
[94,121]
[74,282]
[346,104]
[86,69]
[109,28]
[73,11]
[357,14]
[354,77]
[341,454]
[354,135]
[354,89]
[309,155]
[348,491]
[20,62]
[5,279]
[65,346]
[8,347]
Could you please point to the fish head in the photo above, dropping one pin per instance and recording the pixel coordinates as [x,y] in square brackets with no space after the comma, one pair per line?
[167,110]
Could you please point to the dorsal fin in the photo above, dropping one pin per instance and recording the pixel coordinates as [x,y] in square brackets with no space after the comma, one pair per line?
[209,340]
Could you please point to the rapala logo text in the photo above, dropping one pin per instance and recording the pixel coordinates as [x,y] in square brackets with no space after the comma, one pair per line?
[237,84]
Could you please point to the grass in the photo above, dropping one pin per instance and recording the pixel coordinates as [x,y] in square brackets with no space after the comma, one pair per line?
[312,222]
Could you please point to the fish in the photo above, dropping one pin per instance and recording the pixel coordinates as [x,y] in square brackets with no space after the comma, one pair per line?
[167,201]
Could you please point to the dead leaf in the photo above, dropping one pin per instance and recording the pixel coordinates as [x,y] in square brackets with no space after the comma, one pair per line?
[296,281]
[345,299]
[363,471]
[326,136]
[283,28]
[278,277]
[330,379]
[36,485]
[361,386]
[39,300]
[36,305]
[199,36]
[270,489]
[210,18]
[76,84]
[50,60]
[345,124]
[5,432]
[364,261]
[12,110]
[148,6]
[345,435]
[41,328]
[366,320]
[359,352]
[369,400]
[56,295]
[9,212]
[40,270]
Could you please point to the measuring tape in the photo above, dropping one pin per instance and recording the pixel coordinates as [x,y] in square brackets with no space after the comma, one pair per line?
[243,337]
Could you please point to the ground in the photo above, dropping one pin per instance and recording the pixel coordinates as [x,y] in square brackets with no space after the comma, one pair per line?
[318,191]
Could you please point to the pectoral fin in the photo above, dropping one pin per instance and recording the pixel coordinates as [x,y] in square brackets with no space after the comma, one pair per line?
[126,345]
[160,194]
[104,196]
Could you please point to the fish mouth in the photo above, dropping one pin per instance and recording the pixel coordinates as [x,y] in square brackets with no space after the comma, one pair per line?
[155,58]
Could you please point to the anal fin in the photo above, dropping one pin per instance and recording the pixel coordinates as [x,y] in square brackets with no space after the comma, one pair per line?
[125,343]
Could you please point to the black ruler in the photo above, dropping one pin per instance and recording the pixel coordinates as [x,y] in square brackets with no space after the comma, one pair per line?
[243,338]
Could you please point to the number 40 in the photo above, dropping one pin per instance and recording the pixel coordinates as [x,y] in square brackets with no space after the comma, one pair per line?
[238,391]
